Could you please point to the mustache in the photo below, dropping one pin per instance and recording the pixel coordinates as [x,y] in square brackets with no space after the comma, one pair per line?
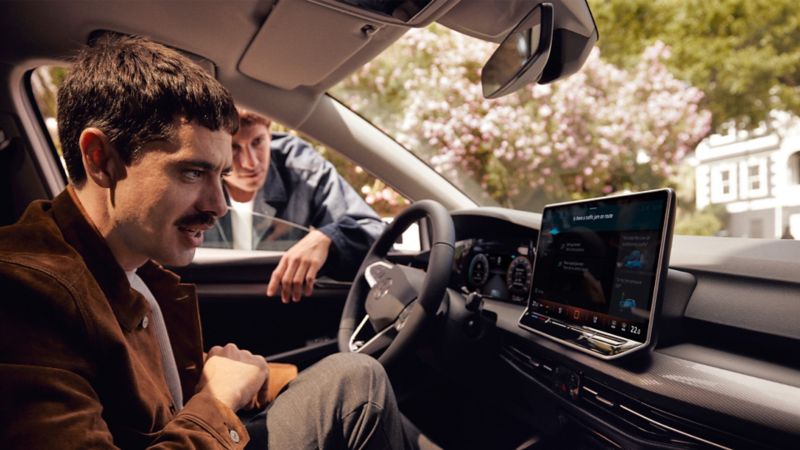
[199,218]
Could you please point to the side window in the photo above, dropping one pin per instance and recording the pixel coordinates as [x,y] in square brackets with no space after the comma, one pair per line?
[44,83]
[382,199]
[283,208]
[267,226]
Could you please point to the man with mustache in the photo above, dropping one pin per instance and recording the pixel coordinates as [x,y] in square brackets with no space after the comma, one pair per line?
[100,347]
[280,175]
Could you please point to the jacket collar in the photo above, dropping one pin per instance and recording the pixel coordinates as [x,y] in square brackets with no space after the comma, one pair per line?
[81,234]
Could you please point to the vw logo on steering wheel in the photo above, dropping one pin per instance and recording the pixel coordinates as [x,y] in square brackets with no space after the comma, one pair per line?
[382,288]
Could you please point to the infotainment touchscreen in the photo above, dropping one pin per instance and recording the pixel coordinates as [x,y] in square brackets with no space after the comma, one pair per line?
[597,271]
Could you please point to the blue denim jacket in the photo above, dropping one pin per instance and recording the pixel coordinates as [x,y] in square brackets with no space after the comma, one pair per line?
[304,188]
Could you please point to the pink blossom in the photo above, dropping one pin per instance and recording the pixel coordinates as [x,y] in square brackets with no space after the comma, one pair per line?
[580,131]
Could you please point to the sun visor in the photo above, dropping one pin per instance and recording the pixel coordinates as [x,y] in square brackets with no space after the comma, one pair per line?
[309,40]
[306,41]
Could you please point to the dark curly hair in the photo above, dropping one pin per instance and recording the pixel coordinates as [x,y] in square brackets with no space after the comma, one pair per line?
[133,90]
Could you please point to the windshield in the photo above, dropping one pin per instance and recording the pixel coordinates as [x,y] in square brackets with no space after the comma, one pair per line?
[696,96]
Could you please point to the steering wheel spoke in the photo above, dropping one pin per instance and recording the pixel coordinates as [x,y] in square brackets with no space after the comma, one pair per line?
[375,344]
[383,338]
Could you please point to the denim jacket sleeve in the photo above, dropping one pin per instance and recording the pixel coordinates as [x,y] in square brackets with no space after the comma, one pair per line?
[316,195]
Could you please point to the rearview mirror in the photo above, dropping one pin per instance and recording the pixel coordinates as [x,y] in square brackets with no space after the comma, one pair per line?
[521,58]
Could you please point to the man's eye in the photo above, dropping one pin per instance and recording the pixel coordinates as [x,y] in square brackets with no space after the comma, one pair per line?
[192,174]
[257,141]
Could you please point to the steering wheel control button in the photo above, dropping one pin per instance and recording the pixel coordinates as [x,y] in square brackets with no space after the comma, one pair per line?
[235,436]
[403,317]
[382,288]
[376,271]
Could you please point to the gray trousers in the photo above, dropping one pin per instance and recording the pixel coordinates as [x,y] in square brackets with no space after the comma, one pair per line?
[344,401]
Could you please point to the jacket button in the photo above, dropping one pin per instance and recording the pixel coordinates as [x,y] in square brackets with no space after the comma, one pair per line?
[145,322]
[235,436]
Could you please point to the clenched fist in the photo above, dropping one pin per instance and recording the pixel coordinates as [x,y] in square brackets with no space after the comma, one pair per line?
[235,377]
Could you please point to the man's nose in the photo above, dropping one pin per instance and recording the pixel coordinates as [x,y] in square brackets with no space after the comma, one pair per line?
[248,158]
[213,200]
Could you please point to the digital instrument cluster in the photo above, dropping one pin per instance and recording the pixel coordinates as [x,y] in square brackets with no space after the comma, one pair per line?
[495,269]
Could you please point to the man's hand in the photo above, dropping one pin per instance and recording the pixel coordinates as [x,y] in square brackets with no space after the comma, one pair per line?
[235,377]
[300,265]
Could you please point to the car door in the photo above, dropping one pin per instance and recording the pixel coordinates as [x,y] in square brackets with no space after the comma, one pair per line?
[234,307]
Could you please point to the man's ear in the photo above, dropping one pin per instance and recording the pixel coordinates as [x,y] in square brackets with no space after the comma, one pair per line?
[100,159]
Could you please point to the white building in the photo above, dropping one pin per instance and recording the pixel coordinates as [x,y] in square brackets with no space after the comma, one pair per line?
[756,176]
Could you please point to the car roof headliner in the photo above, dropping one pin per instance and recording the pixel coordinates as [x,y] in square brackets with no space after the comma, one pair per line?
[322,48]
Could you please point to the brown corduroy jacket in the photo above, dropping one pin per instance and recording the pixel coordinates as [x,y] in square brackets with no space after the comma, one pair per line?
[77,367]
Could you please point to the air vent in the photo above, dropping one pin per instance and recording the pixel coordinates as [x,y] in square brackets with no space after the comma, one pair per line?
[626,415]
[539,368]
[651,424]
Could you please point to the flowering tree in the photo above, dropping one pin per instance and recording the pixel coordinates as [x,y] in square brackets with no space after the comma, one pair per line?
[601,130]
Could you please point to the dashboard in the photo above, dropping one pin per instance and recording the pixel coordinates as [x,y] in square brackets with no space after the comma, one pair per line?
[497,268]
[724,372]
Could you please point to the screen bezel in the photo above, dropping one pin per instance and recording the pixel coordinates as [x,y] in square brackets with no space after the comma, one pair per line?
[586,332]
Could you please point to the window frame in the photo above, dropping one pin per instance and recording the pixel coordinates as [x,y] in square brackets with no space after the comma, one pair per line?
[718,184]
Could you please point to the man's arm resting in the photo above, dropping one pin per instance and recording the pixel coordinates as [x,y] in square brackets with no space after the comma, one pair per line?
[353,239]
[299,267]
[44,407]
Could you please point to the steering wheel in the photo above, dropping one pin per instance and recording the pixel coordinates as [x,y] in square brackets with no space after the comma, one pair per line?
[400,302]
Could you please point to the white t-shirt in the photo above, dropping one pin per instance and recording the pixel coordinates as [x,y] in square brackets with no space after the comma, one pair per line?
[242,224]
[164,346]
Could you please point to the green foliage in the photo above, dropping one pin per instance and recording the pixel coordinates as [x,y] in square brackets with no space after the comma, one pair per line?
[743,54]
[720,212]
[45,81]
[707,222]
[702,224]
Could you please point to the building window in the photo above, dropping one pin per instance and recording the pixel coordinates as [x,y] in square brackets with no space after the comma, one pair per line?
[794,169]
[723,182]
[753,178]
